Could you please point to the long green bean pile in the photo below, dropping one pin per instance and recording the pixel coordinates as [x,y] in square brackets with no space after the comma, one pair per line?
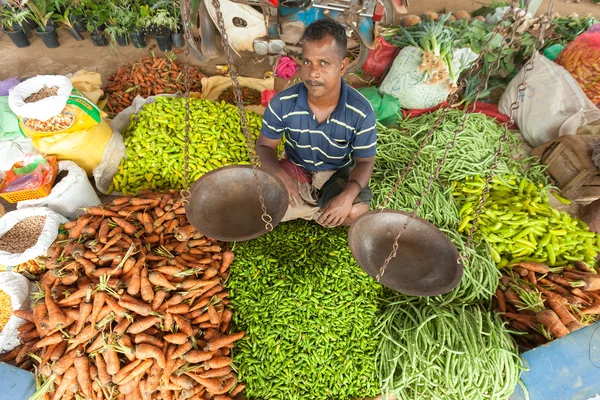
[445,352]
[309,313]
[473,154]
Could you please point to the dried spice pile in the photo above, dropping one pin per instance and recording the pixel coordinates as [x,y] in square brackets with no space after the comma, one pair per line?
[148,76]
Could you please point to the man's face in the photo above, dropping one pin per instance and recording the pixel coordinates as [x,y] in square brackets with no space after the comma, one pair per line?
[322,66]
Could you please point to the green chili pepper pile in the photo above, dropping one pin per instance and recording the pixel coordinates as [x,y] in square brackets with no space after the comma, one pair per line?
[155,142]
[446,353]
[309,313]
[473,154]
[520,224]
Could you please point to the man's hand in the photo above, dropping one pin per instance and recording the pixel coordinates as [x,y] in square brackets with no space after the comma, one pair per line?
[291,186]
[337,210]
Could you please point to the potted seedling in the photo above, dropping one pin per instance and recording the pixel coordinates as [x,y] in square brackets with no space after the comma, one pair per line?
[121,22]
[12,20]
[67,20]
[177,34]
[160,26]
[41,14]
[141,19]
[96,15]
[28,25]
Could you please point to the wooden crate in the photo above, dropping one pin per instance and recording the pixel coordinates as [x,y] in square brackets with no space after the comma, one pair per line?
[570,165]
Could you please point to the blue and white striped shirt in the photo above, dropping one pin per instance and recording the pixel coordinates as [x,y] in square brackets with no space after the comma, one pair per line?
[350,131]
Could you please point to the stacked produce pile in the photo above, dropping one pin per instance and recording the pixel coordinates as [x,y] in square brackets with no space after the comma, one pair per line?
[309,313]
[403,374]
[445,352]
[548,303]
[148,76]
[132,303]
[520,224]
[155,142]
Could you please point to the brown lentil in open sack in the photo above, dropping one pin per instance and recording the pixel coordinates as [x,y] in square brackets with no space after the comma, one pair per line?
[23,235]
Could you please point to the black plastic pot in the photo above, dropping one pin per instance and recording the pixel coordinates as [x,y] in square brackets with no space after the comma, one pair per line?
[138,39]
[98,39]
[75,33]
[178,39]
[49,37]
[122,40]
[18,37]
[164,42]
[79,24]
[28,29]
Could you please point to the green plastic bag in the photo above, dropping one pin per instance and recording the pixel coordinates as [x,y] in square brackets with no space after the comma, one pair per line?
[9,124]
[553,51]
[386,107]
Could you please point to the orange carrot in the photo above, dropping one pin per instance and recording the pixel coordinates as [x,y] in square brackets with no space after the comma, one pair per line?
[144,351]
[145,286]
[138,371]
[551,321]
[100,212]
[594,309]
[85,310]
[153,378]
[63,364]
[176,338]
[142,325]
[127,227]
[196,356]
[217,343]
[159,279]
[181,308]
[82,366]
[103,375]
[69,378]
[55,314]
[181,350]
[215,372]
[168,322]
[55,338]
[136,306]
[126,370]
[535,267]
[228,257]
[77,230]
[213,315]
[144,338]
[183,324]
[226,319]
[159,297]
[135,282]
[112,360]
[238,389]
[217,362]
[98,303]
[28,315]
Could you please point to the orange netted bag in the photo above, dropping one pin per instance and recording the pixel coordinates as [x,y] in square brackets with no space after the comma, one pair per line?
[582,59]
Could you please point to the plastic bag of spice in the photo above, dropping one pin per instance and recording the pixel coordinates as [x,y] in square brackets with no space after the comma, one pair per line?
[14,295]
[28,233]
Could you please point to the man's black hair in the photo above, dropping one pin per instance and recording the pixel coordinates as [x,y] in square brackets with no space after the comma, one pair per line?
[327,27]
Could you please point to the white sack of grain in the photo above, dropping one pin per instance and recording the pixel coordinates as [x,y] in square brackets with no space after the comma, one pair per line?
[39,245]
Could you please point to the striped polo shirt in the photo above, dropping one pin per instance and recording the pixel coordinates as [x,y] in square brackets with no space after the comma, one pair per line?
[349,132]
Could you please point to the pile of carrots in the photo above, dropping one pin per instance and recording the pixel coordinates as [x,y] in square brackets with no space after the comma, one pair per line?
[132,307]
[148,76]
[548,303]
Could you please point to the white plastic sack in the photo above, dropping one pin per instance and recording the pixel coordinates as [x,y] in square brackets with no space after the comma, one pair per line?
[49,233]
[14,150]
[45,108]
[552,105]
[69,196]
[405,82]
[115,150]
[17,287]
[240,38]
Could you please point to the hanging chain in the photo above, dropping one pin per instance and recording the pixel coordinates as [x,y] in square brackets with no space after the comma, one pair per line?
[185,192]
[266,217]
[529,66]
[477,65]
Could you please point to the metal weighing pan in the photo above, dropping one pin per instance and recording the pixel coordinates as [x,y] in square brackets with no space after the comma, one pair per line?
[224,203]
[426,263]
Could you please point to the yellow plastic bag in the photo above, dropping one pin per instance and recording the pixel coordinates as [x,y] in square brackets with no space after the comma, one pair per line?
[83,142]
[89,84]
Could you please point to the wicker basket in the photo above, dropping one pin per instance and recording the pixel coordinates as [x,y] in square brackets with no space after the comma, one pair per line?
[29,194]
